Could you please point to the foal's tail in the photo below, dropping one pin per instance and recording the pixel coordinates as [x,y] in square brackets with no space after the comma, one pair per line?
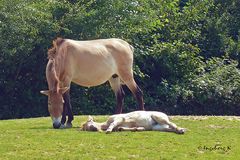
[52,52]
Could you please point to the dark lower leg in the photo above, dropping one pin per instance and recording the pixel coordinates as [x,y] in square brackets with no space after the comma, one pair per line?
[63,120]
[66,97]
[139,98]
[120,98]
[70,114]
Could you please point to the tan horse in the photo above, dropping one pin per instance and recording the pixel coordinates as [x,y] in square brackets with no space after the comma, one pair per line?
[87,63]
[134,121]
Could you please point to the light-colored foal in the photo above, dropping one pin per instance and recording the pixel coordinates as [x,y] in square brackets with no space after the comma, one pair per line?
[134,121]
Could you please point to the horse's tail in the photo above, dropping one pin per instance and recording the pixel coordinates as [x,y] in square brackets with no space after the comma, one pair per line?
[52,52]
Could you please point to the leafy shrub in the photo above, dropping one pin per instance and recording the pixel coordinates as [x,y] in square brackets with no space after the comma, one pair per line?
[216,90]
[178,49]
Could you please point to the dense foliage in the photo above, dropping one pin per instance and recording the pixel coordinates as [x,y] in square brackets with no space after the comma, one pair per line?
[186,53]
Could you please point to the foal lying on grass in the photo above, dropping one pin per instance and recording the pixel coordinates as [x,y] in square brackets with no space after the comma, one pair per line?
[134,121]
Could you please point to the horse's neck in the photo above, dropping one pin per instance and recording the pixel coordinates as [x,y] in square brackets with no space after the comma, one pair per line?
[57,65]
[60,66]
[51,74]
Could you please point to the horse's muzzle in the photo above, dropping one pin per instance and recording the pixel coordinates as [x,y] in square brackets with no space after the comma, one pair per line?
[56,122]
[56,125]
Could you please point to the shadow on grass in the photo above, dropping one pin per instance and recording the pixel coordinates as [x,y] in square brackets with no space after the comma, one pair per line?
[41,127]
[49,127]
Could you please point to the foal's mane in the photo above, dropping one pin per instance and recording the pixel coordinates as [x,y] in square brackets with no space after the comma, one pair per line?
[52,52]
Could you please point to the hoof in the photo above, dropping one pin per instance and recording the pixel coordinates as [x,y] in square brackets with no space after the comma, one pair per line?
[181,131]
[62,126]
[69,125]
[108,131]
[120,129]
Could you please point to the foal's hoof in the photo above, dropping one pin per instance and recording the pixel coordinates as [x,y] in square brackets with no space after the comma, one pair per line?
[108,131]
[181,131]
[120,129]
[69,125]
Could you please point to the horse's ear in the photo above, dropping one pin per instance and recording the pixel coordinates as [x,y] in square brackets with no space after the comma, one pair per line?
[90,118]
[46,92]
[63,90]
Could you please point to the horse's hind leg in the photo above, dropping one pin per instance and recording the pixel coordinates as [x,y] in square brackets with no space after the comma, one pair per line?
[127,77]
[139,96]
[172,127]
[119,93]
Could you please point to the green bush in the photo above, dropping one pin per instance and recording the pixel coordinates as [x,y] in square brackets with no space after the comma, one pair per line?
[26,30]
[216,90]
[179,47]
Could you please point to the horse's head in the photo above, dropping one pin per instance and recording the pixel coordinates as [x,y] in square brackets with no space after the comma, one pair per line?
[55,104]
[90,125]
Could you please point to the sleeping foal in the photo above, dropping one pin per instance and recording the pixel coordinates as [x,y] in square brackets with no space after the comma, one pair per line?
[134,121]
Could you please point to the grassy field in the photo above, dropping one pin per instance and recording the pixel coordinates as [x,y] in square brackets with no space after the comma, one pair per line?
[207,138]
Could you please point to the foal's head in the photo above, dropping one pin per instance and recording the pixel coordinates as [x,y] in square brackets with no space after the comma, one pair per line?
[90,125]
[55,104]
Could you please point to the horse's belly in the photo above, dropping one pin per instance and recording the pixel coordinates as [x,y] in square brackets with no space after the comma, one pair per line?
[146,123]
[93,73]
[88,82]
[91,79]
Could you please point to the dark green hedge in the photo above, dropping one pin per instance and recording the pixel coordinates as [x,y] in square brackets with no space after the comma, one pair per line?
[186,53]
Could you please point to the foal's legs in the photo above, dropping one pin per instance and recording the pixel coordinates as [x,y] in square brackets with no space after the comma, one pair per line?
[172,127]
[115,123]
[119,93]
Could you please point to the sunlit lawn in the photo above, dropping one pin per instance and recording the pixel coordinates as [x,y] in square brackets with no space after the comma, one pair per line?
[206,138]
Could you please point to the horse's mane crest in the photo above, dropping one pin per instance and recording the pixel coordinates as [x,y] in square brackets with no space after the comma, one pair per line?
[52,52]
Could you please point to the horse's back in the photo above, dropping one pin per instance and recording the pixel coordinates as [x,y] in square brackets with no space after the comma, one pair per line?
[94,62]
[114,44]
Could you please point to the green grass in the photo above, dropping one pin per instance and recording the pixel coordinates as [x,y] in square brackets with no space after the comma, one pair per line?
[35,139]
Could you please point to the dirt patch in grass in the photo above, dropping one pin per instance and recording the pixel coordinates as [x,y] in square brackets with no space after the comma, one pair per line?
[216,126]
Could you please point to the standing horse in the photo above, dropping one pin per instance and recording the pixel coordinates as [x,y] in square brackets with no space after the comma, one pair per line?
[87,63]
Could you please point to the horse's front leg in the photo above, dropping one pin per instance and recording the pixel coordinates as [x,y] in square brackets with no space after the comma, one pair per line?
[63,120]
[68,106]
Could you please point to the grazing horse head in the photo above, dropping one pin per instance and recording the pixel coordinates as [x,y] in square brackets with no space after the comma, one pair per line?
[55,93]
[55,104]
